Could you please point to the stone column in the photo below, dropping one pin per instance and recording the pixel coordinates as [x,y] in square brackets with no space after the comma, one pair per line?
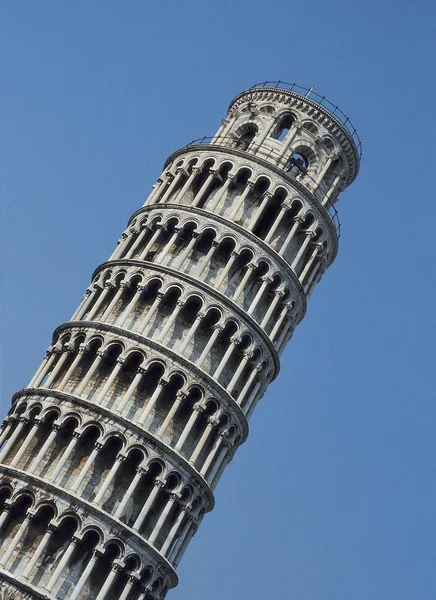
[151,403]
[131,390]
[109,478]
[86,573]
[163,253]
[16,539]
[250,404]
[155,191]
[186,185]
[128,310]
[225,271]
[91,458]
[213,452]
[41,369]
[179,172]
[246,356]
[29,437]
[202,191]
[11,441]
[191,332]
[267,130]
[72,367]
[175,551]
[174,529]
[140,471]
[266,197]
[309,236]
[5,513]
[57,368]
[283,210]
[6,427]
[265,281]
[131,580]
[86,300]
[289,139]
[216,331]
[203,264]
[38,552]
[277,295]
[332,189]
[211,424]
[250,268]
[184,254]
[171,319]
[298,220]
[38,458]
[254,372]
[115,372]
[162,518]
[62,564]
[98,303]
[158,485]
[279,321]
[180,397]
[324,170]
[162,189]
[312,276]
[150,242]
[316,250]
[240,201]
[233,343]
[223,453]
[65,456]
[115,569]
[120,246]
[92,369]
[139,240]
[151,312]
[197,409]
[220,193]
[114,301]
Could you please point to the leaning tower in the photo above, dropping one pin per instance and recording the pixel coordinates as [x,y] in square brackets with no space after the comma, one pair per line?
[110,456]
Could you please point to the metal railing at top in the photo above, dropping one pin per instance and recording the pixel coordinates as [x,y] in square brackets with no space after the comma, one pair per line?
[309,93]
[303,178]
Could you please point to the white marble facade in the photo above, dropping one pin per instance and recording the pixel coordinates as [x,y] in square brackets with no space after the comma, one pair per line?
[109,457]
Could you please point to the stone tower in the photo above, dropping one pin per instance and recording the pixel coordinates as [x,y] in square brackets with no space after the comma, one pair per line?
[109,457]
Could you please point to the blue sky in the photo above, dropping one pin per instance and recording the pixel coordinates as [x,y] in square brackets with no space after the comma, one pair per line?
[333,494]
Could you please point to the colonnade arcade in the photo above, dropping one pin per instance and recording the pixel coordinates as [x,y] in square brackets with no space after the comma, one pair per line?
[110,456]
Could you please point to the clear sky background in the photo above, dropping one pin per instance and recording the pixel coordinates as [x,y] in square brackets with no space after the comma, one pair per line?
[332,497]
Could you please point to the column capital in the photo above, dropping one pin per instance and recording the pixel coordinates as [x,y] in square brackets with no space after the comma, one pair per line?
[98,446]
[162,382]
[298,219]
[142,470]
[200,316]
[235,340]
[199,408]
[108,285]
[213,422]
[120,361]
[159,482]
[218,327]
[181,396]
[140,370]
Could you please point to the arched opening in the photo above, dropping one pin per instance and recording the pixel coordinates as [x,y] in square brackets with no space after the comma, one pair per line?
[297,164]
[244,136]
[283,126]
